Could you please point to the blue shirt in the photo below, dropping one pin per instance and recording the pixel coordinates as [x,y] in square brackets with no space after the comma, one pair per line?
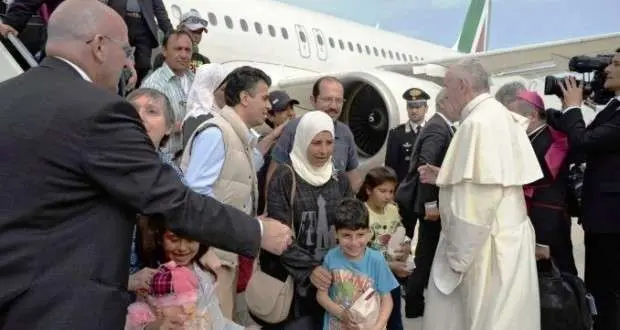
[351,278]
[207,160]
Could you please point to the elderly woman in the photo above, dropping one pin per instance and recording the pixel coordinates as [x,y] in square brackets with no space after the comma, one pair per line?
[318,190]
[157,117]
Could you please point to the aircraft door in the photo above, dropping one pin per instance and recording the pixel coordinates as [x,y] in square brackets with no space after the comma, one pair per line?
[321,47]
[304,43]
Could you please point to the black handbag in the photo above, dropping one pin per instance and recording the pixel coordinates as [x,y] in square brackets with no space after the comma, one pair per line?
[563,301]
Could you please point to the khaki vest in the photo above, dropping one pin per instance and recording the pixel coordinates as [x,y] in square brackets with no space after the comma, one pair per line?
[235,186]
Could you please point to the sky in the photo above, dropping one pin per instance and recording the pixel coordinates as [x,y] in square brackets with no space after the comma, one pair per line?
[440,21]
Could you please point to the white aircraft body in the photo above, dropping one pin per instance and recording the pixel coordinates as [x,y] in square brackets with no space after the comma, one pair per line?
[296,46]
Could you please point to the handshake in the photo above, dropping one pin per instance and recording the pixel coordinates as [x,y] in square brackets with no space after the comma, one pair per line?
[277,237]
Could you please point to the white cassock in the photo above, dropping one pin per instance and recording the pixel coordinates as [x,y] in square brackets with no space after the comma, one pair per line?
[484,273]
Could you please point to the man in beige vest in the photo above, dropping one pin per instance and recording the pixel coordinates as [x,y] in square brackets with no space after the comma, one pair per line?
[220,160]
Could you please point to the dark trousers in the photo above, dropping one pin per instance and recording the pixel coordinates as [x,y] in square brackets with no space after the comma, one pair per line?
[428,237]
[141,37]
[561,247]
[395,322]
[603,278]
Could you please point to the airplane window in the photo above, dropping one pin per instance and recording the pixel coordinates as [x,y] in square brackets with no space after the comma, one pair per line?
[228,21]
[391,54]
[376,51]
[422,58]
[398,56]
[319,40]
[404,56]
[272,30]
[341,44]
[410,58]
[350,46]
[383,52]
[284,33]
[258,27]
[244,25]
[212,19]
[359,48]
[416,58]
[302,36]
[331,42]
[367,50]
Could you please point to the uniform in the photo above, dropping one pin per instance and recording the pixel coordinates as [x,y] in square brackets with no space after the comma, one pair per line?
[402,137]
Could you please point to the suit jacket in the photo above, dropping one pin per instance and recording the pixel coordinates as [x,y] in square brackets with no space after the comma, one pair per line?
[399,147]
[600,142]
[151,10]
[430,147]
[81,166]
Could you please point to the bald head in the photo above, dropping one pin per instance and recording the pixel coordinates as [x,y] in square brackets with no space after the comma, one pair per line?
[92,36]
[472,71]
[81,20]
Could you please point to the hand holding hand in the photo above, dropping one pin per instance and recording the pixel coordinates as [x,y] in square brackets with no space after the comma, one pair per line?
[428,173]
[277,237]
[400,269]
[141,280]
[321,278]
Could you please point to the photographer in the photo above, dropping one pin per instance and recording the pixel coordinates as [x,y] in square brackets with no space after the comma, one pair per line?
[600,214]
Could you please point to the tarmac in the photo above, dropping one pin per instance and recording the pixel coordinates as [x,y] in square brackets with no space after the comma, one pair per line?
[579,253]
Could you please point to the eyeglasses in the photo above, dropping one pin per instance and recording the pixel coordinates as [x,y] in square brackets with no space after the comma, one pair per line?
[127,49]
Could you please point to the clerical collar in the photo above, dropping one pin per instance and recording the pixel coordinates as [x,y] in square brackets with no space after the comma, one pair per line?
[471,106]
[537,129]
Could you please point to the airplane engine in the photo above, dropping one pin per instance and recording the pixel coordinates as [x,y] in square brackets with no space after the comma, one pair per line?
[373,105]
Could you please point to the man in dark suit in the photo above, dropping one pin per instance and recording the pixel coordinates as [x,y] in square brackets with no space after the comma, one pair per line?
[402,137]
[140,17]
[81,167]
[600,142]
[430,148]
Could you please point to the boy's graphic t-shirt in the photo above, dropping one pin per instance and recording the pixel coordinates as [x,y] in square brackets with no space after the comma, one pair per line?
[351,278]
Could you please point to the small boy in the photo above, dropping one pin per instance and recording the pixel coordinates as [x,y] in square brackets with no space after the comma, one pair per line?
[354,268]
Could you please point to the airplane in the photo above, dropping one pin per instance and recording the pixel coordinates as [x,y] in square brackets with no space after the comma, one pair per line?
[295,46]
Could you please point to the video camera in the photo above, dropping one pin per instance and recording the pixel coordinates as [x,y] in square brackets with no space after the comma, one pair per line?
[594,68]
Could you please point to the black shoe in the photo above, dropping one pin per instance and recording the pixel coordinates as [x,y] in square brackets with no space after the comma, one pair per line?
[414,310]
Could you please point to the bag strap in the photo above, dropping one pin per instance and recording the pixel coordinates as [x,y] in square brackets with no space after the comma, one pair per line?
[292,198]
[291,204]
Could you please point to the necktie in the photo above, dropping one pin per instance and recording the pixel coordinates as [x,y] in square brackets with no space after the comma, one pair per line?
[417,129]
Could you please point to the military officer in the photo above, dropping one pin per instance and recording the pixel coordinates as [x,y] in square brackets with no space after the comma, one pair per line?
[402,137]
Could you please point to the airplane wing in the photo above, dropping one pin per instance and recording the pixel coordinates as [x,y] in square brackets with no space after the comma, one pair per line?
[529,61]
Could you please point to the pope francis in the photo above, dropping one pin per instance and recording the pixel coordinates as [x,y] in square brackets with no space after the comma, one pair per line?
[484,273]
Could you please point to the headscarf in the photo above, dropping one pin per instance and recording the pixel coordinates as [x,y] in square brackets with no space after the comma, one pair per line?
[311,124]
[200,99]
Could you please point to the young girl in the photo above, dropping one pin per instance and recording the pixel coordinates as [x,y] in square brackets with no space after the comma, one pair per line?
[378,193]
[164,246]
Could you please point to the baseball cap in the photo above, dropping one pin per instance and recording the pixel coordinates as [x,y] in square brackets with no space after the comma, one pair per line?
[279,100]
[193,21]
